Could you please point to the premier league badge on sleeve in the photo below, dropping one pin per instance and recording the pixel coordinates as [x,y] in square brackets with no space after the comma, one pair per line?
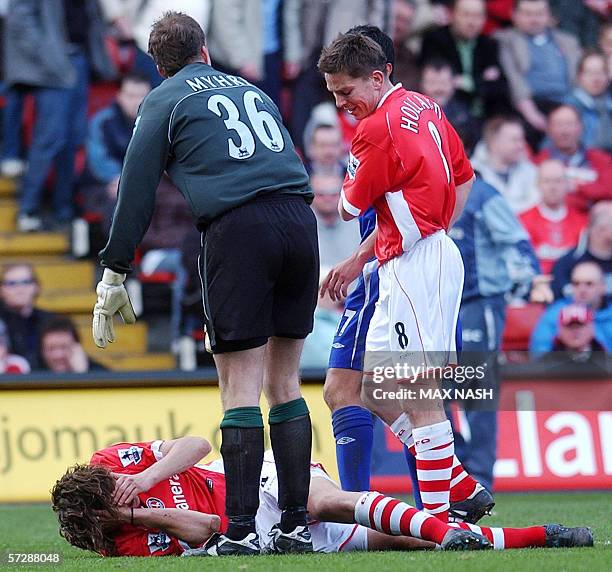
[353,165]
[158,541]
[130,456]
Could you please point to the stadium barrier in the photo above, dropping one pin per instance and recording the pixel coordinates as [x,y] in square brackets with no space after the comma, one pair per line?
[553,433]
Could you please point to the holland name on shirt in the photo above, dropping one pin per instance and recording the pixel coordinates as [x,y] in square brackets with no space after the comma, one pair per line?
[412,107]
[205,82]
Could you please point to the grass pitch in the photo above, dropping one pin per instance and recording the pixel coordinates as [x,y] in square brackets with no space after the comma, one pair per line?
[33,528]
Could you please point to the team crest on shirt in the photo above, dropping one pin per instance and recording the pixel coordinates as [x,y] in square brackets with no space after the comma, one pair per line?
[130,456]
[154,502]
[158,541]
[353,165]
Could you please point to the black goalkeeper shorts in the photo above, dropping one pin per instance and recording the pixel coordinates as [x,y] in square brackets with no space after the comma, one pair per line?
[259,266]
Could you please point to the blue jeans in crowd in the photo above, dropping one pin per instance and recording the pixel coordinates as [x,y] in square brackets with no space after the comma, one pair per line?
[11,123]
[59,129]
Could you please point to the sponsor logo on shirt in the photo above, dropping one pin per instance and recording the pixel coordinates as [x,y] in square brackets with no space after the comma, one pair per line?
[158,541]
[130,456]
[154,502]
[353,165]
[178,496]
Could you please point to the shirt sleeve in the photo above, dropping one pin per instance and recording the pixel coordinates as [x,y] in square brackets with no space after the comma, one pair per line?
[462,168]
[128,458]
[136,541]
[144,163]
[369,175]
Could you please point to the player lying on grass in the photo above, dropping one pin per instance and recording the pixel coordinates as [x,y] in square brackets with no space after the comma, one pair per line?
[152,499]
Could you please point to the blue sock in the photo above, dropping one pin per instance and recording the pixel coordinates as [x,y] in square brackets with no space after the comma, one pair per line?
[412,470]
[354,434]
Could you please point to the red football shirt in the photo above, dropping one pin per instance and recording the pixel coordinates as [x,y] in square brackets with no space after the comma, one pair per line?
[406,160]
[551,236]
[198,488]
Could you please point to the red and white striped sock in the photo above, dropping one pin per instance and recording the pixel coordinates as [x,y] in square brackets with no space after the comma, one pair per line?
[462,485]
[504,538]
[435,449]
[395,517]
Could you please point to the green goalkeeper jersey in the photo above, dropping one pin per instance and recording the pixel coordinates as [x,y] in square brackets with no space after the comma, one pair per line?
[221,141]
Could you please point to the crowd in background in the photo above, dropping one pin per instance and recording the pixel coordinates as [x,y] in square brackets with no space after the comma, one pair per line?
[526,83]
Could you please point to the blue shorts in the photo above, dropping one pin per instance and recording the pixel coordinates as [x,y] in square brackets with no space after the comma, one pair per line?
[349,342]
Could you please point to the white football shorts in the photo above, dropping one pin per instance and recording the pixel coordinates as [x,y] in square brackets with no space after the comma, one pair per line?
[326,536]
[415,318]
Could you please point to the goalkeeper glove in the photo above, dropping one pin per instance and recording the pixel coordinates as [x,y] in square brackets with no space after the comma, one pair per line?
[112,298]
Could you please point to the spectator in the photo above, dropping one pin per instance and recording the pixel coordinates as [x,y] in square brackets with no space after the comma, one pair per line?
[235,38]
[580,18]
[552,225]
[110,131]
[109,136]
[245,38]
[605,38]
[539,62]
[473,57]
[19,289]
[501,159]
[50,49]
[591,97]
[575,332]
[324,150]
[337,239]
[11,164]
[10,364]
[596,247]
[406,68]
[310,26]
[589,289]
[161,245]
[491,241]
[437,82]
[61,350]
[132,21]
[589,170]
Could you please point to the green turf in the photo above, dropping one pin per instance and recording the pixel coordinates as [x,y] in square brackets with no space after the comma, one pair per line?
[32,528]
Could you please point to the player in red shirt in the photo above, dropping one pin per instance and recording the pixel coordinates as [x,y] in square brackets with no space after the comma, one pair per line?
[553,225]
[151,499]
[408,162]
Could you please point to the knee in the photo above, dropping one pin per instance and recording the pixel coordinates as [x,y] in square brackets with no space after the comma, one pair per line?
[320,506]
[342,390]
